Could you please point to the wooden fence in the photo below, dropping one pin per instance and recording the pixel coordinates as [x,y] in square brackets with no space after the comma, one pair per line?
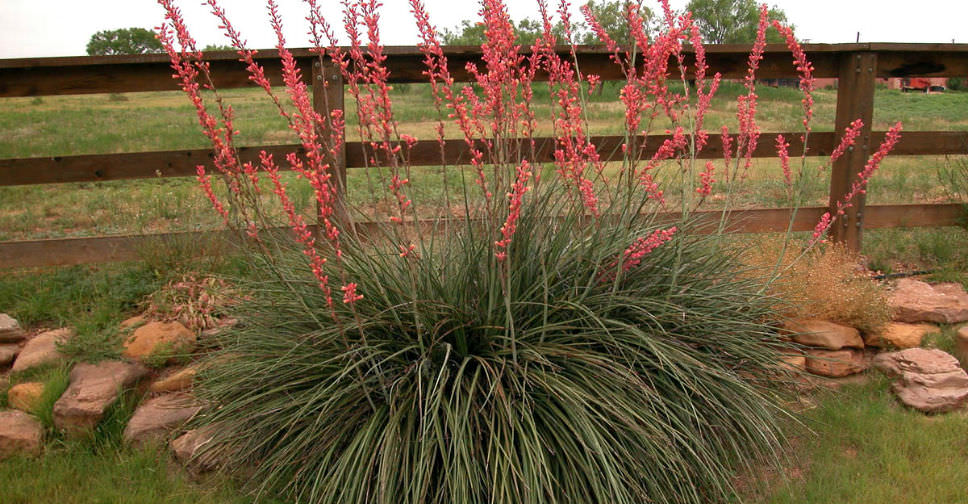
[856,66]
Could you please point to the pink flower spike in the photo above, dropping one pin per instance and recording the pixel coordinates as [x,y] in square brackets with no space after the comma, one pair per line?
[516,195]
[632,256]
[846,141]
[706,180]
[782,152]
[206,182]
[349,293]
[821,228]
[804,67]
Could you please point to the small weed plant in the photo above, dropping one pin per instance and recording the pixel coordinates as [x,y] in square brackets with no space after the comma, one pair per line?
[195,300]
[543,336]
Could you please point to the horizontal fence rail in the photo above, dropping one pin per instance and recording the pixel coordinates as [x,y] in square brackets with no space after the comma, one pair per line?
[118,74]
[182,163]
[856,66]
[73,251]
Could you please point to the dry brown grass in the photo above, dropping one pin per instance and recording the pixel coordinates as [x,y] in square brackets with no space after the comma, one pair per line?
[826,282]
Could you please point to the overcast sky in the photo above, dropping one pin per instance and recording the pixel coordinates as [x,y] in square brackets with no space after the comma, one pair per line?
[35,28]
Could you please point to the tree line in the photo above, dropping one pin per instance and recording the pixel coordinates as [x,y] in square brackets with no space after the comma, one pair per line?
[719,21]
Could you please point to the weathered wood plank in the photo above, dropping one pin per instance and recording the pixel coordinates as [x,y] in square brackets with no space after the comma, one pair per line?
[855,100]
[117,74]
[71,251]
[182,163]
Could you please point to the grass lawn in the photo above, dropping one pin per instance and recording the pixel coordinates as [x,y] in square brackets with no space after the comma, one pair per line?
[111,123]
[78,474]
[866,448]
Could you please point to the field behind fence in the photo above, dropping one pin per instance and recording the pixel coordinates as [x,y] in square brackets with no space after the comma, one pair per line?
[856,66]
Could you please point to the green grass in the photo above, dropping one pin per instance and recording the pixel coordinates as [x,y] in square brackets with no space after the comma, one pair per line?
[55,378]
[939,250]
[55,383]
[866,448]
[71,125]
[73,473]
[95,299]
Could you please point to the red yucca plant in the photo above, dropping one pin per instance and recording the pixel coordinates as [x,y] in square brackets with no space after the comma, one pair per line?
[550,340]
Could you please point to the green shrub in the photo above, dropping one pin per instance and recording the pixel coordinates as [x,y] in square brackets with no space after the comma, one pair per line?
[580,390]
[545,339]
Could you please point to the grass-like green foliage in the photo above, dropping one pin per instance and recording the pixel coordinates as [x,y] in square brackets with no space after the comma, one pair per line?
[55,378]
[938,250]
[865,447]
[108,433]
[55,383]
[72,473]
[452,385]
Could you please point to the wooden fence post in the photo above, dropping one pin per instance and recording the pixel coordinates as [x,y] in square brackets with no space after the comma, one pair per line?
[328,96]
[855,100]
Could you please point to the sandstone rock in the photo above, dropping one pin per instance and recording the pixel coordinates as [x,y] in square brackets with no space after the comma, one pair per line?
[928,380]
[836,363]
[156,417]
[901,335]
[92,389]
[188,449]
[8,353]
[823,334]
[794,362]
[961,342]
[917,301]
[915,360]
[25,396]
[10,330]
[159,339]
[136,321]
[20,433]
[42,349]
[175,380]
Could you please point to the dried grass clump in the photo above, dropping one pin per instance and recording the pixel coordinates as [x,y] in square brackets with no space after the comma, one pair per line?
[197,301]
[826,282]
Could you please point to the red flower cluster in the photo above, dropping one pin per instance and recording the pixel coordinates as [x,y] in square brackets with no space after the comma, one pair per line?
[847,141]
[749,130]
[783,153]
[805,67]
[514,209]
[632,256]
[859,186]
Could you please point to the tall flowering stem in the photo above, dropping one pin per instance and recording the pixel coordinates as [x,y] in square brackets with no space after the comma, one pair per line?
[859,186]
[518,189]
[632,256]
[846,142]
[782,151]
[805,68]
[574,154]
[749,130]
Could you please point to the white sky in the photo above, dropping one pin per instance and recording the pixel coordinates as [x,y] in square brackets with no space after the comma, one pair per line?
[36,28]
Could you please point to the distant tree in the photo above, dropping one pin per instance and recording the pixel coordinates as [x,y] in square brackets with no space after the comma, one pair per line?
[732,21]
[218,47]
[610,14]
[471,33]
[123,41]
